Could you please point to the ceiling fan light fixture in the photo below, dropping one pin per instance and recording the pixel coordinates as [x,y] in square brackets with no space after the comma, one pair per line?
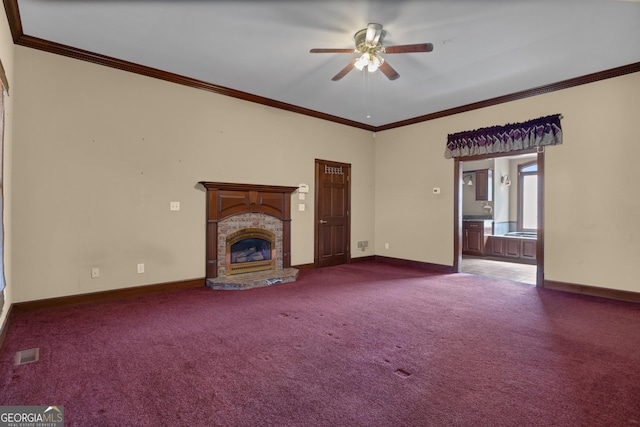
[370,60]
[375,61]
[362,62]
[369,46]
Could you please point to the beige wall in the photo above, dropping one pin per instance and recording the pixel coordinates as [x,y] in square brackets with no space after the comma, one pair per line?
[102,152]
[501,197]
[416,223]
[7,57]
[590,231]
[95,155]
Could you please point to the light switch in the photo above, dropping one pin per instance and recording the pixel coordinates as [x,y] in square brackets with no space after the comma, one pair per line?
[301,207]
[174,206]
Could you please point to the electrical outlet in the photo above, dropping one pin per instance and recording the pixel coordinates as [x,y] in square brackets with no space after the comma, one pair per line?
[386,246]
[140,268]
[174,206]
[95,272]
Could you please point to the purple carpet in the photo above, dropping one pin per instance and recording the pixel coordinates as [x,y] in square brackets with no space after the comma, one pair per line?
[366,344]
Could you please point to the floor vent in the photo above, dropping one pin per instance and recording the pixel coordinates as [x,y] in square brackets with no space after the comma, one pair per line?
[27,356]
[402,373]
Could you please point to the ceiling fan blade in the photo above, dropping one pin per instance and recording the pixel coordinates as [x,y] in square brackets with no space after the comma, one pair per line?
[408,48]
[345,70]
[329,50]
[374,31]
[388,71]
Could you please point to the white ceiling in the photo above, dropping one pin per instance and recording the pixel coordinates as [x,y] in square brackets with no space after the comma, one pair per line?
[482,48]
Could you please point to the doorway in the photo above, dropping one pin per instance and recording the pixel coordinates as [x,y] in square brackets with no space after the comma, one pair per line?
[332,207]
[4,87]
[503,245]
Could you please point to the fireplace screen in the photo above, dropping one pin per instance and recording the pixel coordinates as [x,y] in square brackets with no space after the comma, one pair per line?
[249,250]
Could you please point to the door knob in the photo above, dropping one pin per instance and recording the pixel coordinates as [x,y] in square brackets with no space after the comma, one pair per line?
[322,221]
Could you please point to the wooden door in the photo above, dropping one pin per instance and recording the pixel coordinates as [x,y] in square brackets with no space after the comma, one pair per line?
[332,205]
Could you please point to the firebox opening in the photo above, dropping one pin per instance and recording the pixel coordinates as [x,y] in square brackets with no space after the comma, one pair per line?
[249,250]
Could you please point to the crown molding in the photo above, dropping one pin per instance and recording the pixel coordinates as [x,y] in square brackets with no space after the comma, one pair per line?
[19,38]
[96,58]
[565,84]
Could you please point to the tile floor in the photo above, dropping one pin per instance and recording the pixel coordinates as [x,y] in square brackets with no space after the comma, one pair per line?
[524,273]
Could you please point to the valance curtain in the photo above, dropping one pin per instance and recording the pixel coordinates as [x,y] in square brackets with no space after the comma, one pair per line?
[502,139]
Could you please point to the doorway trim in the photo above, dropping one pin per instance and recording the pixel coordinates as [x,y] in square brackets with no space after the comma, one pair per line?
[457,204]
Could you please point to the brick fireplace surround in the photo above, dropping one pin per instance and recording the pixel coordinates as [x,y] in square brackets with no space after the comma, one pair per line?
[234,207]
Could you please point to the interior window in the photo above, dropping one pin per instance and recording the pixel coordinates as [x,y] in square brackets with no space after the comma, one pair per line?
[528,197]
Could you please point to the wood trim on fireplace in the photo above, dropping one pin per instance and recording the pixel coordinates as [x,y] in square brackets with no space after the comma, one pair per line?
[227,199]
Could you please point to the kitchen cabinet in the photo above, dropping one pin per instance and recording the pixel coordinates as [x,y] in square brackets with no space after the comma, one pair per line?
[511,247]
[484,185]
[528,249]
[474,237]
[496,246]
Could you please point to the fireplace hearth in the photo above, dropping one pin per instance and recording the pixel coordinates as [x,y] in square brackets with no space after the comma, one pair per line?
[248,235]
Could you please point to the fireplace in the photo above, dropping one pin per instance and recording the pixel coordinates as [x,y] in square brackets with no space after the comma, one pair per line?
[248,237]
[250,225]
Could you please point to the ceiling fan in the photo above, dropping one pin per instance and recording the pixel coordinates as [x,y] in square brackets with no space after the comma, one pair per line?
[369,45]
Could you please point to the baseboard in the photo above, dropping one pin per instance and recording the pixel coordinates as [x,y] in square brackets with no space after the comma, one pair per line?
[114,294]
[304,266]
[594,291]
[416,264]
[363,259]
[312,266]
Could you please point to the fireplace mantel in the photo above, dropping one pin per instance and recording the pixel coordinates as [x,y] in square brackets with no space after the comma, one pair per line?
[227,199]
